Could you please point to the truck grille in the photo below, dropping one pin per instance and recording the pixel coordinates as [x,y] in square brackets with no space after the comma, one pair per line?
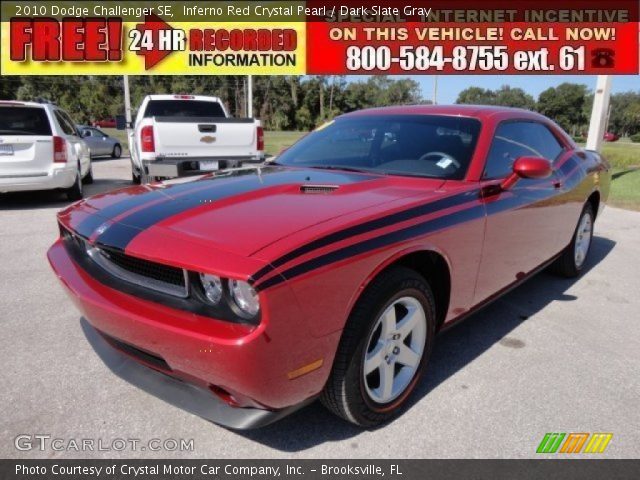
[155,276]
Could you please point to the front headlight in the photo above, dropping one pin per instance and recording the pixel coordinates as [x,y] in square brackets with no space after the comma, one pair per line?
[245,297]
[212,286]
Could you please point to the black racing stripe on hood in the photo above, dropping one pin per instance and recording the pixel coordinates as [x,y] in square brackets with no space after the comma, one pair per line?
[398,217]
[88,225]
[120,234]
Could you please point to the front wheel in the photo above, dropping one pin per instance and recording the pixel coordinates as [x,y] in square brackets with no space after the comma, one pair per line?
[573,258]
[384,349]
[117,151]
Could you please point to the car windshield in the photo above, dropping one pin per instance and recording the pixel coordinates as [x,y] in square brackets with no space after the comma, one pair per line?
[183,108]
[413,145]
[24,121]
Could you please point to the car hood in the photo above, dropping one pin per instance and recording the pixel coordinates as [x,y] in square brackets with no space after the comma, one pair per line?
[240,212]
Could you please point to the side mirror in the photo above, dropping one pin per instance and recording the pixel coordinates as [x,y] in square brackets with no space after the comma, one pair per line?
[528,167]
[121,122]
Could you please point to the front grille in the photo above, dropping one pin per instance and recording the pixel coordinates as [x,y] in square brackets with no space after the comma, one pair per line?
[136,271]
[156,271]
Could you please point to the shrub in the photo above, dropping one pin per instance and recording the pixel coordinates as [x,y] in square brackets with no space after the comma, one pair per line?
[635,138]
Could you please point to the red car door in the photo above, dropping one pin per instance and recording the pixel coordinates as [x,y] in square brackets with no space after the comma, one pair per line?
[522,221]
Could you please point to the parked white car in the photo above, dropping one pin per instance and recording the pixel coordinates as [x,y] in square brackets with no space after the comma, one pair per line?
[40,149]
[180,135]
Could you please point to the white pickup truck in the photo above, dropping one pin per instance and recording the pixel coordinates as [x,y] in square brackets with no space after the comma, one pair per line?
[179,135]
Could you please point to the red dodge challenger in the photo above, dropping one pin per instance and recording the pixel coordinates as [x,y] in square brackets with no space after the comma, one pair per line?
[244,295]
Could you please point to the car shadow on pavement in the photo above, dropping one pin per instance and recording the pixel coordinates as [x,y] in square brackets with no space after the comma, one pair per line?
[453,349]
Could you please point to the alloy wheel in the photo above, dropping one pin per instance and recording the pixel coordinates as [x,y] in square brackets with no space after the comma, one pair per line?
[394,350]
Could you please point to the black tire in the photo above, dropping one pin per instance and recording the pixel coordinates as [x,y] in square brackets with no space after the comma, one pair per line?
[567,265]
[135,178]
[345,393]
[117,151]
[88,179]
[75,191]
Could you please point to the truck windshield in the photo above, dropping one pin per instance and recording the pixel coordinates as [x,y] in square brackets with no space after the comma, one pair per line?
[183,108]
[413,145]
[24,121]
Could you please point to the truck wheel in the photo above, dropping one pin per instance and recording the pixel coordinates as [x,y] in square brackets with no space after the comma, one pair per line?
[135,178]
[75,191]
[117,151]
[573,258]
[384,349]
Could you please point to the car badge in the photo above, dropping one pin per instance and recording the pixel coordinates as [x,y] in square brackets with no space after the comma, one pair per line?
[208,139]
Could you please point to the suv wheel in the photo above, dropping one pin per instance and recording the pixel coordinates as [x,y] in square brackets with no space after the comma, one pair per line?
[384,349]
[75,191]
[88,178]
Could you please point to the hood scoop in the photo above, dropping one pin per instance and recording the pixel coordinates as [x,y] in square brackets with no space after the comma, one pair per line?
[315,189]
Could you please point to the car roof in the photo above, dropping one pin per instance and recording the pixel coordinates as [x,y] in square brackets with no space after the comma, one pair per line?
[179,96]
[473,111]
[18,103]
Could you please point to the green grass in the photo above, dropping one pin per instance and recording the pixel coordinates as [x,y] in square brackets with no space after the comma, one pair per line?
[274,142]
[625,188]
[622,154]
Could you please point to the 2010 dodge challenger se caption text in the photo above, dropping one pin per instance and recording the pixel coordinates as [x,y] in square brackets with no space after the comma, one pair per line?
[327,272]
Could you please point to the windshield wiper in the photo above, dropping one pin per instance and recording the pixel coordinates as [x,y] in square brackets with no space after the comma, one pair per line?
[345,169]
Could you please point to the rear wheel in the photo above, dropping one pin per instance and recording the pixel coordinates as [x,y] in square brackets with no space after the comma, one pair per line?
[573,258]
[88,178]
[135,178]
[384,349]
[75,191]
[117,151]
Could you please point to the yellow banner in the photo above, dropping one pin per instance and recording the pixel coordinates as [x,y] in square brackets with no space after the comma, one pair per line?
[153,47]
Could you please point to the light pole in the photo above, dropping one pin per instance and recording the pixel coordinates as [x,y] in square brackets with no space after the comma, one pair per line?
[599,113]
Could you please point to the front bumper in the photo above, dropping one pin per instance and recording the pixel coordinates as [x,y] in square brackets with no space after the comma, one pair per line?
[187,396]
[250,364]
[56,178]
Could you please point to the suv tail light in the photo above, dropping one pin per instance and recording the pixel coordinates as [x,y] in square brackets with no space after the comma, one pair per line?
[59,150]
[146,139]
[260,142]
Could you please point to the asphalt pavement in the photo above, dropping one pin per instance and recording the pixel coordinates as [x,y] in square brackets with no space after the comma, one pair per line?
[554,355]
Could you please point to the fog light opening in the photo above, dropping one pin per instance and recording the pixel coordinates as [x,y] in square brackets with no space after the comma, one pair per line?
[223,395]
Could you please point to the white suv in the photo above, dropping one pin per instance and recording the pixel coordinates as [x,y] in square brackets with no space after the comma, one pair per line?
[40,149]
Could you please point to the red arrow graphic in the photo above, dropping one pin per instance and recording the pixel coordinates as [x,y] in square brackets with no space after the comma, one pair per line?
[154,24]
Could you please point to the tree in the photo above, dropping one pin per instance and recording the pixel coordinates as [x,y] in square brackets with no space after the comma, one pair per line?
[514,97]
[476,96]
[565,105]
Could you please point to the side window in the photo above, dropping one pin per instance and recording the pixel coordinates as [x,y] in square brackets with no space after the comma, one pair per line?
[64,123]
[518,139]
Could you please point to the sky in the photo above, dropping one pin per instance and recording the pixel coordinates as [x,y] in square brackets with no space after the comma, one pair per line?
[450,86]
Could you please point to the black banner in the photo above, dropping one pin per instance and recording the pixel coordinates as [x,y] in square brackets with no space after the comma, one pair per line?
[319,469]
